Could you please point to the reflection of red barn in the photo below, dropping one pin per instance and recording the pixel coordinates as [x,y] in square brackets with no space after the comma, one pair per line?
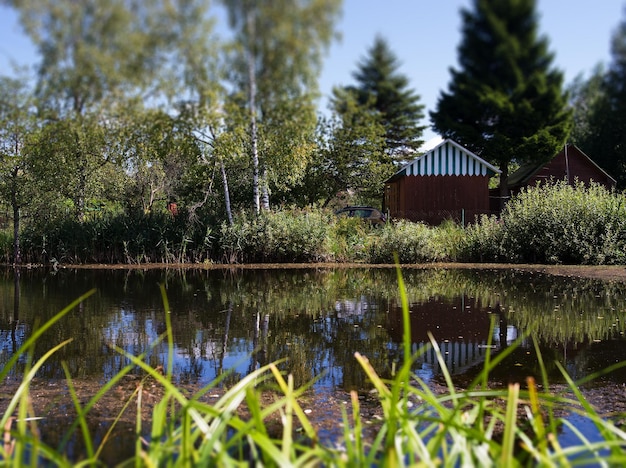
[460,319]
[570,164]
[446,182]
[459,326]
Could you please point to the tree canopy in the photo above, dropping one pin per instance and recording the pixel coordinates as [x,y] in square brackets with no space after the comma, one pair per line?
[505,102]
[601,133]
[274,66]
[381,86]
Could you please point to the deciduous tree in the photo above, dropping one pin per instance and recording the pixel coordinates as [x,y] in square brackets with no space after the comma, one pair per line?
[605,140]
[277,51]
[584,96]
[17,122]
[96,55]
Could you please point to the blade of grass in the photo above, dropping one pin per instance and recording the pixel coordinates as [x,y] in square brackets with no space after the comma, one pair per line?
[302,417]
[92,402]
[507,456]
[537,418]
[590,413]
[170,335]
[22,390]
[287,419]
[81,417]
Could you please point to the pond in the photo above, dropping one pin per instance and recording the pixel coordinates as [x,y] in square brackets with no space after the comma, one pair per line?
[235,320]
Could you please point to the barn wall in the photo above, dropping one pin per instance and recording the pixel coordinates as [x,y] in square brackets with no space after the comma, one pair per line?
[433,199]
[579,168]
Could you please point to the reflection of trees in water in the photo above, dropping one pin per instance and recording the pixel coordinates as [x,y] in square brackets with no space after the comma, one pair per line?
[315,318]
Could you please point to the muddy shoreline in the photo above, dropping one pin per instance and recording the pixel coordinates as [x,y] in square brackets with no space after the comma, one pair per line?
[602,272]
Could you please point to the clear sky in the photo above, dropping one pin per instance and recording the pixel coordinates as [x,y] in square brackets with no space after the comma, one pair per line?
[424,34]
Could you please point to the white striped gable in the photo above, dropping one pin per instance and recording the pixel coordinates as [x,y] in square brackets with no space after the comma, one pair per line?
[449,158]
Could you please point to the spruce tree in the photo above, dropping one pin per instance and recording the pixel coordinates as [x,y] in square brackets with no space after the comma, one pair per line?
[381,86]
[506,102]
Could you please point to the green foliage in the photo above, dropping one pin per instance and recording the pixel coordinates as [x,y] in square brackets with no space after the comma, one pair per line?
[599,132]
[505,102]
[551,223]
[292,235]
[554,223]
[350,155]
[382,88]
[122,238]
[411,242]
[274,63]
[348,239]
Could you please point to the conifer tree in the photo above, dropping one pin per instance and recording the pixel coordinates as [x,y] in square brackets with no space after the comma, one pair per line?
[605,140]
[381,86]
[506,102]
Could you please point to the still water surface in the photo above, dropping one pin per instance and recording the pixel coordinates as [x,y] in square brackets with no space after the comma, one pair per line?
[316,319]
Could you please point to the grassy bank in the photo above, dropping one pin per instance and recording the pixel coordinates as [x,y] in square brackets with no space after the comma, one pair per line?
[515,425]
[551,224]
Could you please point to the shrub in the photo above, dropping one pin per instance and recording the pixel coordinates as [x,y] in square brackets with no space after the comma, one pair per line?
[412,242]
[348,238]
[291,235]
[559,223]
[482,241]
[553,223]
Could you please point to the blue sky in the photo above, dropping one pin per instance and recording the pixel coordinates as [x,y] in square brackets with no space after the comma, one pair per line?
[424,34]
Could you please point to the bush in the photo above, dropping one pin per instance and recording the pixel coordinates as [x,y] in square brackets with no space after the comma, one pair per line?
[412,242]
[554,223]
[483,241]
[348,238]
[292,235]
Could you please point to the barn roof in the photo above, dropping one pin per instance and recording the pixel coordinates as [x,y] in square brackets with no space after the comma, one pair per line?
[447,158]
[526,171]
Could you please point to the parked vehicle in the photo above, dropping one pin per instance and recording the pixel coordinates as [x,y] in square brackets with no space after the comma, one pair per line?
[374,216]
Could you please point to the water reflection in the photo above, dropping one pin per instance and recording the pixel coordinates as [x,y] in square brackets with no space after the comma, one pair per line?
[316,319]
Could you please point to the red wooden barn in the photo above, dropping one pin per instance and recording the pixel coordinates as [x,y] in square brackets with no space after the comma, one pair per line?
[569,164]
[446,182]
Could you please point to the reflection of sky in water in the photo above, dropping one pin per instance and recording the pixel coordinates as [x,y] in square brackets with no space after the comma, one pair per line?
[241,322]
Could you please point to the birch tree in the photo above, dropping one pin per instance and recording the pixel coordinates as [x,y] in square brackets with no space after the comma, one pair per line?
[275,62]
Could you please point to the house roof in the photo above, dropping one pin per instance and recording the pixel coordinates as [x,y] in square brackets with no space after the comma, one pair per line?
[447,158]
[526,171]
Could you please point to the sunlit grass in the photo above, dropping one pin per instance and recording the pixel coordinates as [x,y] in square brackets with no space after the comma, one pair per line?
[477,425]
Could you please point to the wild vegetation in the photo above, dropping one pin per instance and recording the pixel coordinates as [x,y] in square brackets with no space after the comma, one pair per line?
[552,224]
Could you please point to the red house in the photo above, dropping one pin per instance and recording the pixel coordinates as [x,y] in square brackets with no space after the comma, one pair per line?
[569,164]
[446,182]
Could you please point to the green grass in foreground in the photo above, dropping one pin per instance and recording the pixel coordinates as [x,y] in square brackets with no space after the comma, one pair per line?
[477,426]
